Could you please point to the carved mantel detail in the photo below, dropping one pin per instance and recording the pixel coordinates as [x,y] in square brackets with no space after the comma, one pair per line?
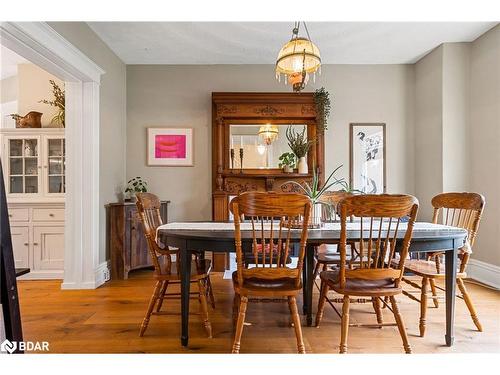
[308,110]
[227,109]
[237,187]
[269,111]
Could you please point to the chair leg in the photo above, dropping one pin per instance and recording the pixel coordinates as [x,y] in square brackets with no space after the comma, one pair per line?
[316,271]
[401,325]
[386,300]
[378,310]
[239,325]
[423,306]
[345,325]
[204,308]
[162,295]
[432,282]
[470,306]
[236,308]
[151,306]
[210,292]
[292,303]
[321,302]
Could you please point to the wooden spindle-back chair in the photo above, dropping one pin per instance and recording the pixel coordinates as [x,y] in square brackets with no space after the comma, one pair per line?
[461,210]
[166,270]
[270,276]
[384,220]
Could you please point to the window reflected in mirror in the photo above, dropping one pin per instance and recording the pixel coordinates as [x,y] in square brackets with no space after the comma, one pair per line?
[262,144]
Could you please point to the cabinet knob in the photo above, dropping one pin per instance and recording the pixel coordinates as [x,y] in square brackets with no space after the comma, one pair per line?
[35,243]
[26,244]
[10,215]
[51,215]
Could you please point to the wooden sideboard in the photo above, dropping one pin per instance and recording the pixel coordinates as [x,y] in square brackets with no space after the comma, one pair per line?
[125,238]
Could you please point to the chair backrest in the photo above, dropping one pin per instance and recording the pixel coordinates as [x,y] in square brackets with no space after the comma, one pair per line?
[381,219]
[148,206]
[271,237]
[332,198]
[461,210]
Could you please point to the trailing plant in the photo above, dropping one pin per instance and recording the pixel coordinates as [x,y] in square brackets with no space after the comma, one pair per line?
[298,142]
[287,159]
[58,102]
[136,185]
[322,103]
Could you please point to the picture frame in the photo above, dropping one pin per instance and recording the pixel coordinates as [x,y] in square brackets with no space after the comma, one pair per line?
[367,157]
[170,147]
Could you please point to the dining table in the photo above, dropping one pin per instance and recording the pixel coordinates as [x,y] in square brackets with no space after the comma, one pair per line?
[200,237]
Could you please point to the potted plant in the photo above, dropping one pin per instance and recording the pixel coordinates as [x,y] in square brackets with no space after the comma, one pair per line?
[58,102]
[135,185]
[287,162]
[300,145]
[314,192]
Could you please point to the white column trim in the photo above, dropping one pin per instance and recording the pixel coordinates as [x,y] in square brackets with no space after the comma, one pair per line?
[40,44]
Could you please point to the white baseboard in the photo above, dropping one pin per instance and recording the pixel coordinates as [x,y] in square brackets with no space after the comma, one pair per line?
[43,275]
[101,273]
[486,273]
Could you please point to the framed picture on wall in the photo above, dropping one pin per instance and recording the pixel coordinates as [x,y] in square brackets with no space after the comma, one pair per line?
[170,147]
[367,158]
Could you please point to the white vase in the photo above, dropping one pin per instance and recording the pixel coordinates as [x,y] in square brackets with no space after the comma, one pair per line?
[287,169]
[303,165]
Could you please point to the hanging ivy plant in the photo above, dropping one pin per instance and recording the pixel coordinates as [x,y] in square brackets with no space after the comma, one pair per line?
[323,106]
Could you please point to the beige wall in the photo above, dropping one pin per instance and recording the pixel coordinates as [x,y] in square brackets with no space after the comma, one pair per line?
[181,96]
[484,141]
[8,89]
[33,86]
[428,130]
[113,111]
[456,90]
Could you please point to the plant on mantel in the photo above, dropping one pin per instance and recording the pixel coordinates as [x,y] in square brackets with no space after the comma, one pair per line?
[322,105]
[287,162]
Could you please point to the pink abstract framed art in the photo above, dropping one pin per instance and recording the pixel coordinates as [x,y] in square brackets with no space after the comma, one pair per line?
[170,147]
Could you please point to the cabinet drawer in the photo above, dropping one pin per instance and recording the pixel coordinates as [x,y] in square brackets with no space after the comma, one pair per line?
[48,214]
[18,214]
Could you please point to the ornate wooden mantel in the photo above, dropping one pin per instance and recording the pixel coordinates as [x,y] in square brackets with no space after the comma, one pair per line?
[256,108]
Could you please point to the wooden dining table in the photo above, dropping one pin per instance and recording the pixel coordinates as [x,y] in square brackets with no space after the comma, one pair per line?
[200,237]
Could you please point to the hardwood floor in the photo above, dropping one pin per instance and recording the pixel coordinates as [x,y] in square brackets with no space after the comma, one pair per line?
[107,320]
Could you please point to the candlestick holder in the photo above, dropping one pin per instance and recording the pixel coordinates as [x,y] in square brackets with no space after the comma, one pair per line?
[232,159]
[241,160]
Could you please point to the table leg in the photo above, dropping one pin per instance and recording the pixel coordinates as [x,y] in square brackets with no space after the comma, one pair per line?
[308,283]
[185,259]
[451,274]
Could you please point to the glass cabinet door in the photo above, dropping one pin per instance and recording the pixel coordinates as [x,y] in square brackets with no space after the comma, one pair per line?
[56,165]
[23,166]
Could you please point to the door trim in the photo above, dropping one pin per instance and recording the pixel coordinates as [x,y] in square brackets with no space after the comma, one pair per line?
[42,45]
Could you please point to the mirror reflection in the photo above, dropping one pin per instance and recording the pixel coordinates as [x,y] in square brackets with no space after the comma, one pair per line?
[262,144]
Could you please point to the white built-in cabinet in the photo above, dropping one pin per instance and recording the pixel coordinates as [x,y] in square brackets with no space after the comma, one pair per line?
[33,162]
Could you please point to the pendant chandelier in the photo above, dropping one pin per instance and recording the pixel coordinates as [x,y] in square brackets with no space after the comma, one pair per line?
[298,59]
[268,133]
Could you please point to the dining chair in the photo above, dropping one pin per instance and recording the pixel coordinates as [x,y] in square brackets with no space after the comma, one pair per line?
[381,224]
[271,276]
[167,271]
[461,210]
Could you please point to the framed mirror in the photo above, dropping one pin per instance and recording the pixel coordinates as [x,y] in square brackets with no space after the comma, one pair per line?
[260,145]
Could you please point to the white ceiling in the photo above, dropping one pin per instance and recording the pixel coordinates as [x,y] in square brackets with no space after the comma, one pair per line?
[259,42]
[9,61]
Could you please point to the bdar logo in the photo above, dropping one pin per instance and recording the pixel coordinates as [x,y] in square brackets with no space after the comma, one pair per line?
[8,346]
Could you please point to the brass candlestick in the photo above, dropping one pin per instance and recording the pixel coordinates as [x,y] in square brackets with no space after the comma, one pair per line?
[241,159]
[232,159]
